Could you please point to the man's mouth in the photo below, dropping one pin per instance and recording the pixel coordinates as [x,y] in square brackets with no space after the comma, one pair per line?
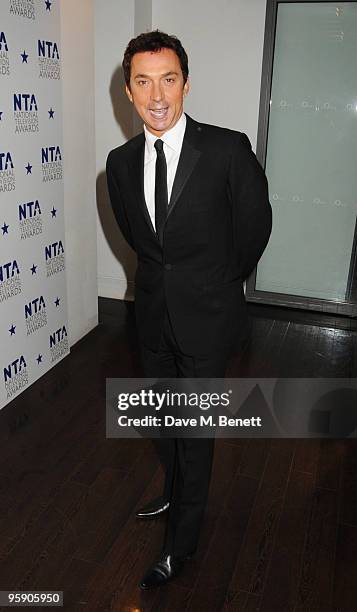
[158,113]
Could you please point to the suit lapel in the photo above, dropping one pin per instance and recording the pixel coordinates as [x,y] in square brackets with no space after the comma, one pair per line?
[136,164]
[188,159]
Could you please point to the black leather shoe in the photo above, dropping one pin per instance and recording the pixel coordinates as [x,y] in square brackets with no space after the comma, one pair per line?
[167,568]
[153,509]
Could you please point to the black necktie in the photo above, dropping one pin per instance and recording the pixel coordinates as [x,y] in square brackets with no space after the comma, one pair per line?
[161,197]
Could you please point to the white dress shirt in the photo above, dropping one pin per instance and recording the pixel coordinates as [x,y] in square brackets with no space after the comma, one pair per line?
[172,140]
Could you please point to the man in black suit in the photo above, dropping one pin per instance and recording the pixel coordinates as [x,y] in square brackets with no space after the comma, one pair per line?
[192,201]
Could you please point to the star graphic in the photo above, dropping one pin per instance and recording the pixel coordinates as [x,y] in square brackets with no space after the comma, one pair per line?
[33,269]
[39,359]
[4,228]
[53,212]
[1,112]
[28,168]
[12,330]
[48,5]
[57,301]
[51,112]
[24,56]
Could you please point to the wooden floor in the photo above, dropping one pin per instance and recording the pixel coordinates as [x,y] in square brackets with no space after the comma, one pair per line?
[280,532]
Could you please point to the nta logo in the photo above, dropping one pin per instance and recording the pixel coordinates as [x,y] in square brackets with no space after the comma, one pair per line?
[3,43]
[49,49]
[29,210]
[51,154]
[35,306]
[25,102]
[6,162]
[54,249]
[8,270]
[14,368]
[57,336]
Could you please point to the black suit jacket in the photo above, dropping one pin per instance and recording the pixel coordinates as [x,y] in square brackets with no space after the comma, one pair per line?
[217,227]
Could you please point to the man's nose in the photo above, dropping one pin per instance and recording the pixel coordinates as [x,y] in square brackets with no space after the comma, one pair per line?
[156,92]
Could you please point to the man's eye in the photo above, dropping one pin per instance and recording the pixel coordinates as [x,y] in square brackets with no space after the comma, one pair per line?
[141,82]
[170,80]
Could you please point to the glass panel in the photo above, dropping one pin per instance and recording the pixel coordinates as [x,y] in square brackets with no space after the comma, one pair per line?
[312,151]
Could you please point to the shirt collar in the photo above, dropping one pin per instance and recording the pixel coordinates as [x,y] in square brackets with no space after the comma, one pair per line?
[172,138]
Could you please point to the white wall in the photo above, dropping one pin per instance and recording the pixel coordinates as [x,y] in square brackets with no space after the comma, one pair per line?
[114,27]
[224,42]
[77,43]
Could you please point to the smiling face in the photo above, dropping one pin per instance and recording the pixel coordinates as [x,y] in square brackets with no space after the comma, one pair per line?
[157,89]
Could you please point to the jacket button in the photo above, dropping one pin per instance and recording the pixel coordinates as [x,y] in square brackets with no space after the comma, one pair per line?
[168,266]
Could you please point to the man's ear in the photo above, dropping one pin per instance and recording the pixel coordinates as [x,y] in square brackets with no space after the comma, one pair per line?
[186,87]
[128,93]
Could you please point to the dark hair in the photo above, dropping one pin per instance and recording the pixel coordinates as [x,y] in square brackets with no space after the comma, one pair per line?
[154,41]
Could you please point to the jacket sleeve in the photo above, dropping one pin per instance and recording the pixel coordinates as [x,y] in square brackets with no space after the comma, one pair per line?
[117,203]
[251,210]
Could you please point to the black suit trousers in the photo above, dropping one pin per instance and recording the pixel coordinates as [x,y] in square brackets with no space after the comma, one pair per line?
[187,462]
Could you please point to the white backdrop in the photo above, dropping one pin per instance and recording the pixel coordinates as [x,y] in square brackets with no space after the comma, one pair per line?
[33,302]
